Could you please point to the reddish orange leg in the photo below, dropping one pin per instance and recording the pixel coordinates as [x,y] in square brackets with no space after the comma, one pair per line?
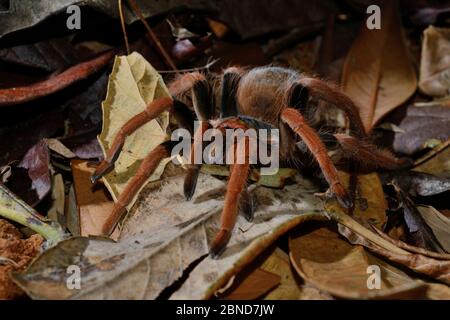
[236,185]
[298,124]
[146,168]
[151,112]
[368,155]
[193,169]
[333,95]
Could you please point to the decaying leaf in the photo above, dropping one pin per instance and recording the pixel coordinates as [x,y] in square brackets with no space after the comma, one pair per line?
[37,161]
[435,63]
[423,127]
[254,285]
[165,234]
[50,55]
[133,84]
[417,183]
[378,72]
[332,264]
[439,224]
[437,164]
[434,268]
[370,203]
[32,12]
[290,288]
[93,204]
[419,233]
[413,249]
[271,268]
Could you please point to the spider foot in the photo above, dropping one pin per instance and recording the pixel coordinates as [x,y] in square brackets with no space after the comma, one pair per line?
[342,196]
[247,205]
[101,170]
[219,244]
[190,182]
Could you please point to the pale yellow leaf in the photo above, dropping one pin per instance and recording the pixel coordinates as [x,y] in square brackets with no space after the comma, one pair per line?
[133,84]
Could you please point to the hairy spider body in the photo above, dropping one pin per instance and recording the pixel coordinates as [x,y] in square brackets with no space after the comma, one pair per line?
[265,96]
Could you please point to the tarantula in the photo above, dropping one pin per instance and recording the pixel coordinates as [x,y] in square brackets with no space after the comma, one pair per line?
[273,96]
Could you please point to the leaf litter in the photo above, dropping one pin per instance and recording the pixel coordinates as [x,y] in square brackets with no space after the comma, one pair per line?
[162,248]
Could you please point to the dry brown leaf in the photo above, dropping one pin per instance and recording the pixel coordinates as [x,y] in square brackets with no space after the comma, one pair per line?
[437,163]
[94,205]
[274,262]
[437,269]
[332,264]
[133,84]
[378,72]
[165,234]
[289,289]
[370,203]
[435,62]
[255,285]
[439,224]
[413,249]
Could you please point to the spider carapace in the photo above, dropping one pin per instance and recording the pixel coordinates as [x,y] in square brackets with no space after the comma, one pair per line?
[266,96]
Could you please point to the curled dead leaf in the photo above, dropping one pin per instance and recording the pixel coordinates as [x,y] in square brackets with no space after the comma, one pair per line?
[435,62]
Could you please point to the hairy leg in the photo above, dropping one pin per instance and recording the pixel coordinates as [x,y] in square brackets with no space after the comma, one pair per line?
[297,123]
[333,95]
[177,89]
[204,108]
[153,110]
[145,170]
[236,185]
[367,155]
[229,84]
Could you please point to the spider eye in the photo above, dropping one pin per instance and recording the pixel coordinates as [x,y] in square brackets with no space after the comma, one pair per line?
[298,96]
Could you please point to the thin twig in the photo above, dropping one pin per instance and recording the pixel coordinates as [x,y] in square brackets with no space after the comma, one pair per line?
[159,46]
[207,66]
[124,30]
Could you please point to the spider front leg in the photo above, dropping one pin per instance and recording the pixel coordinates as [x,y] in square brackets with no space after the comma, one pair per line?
[204,108]
[145,170]
[298,124]
[236,186]
[153,110]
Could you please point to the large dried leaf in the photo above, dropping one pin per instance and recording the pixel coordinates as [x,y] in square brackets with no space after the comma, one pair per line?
[435,63]
[133,84]
[378,72]
[163,236]
[434,268]
[332,264]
